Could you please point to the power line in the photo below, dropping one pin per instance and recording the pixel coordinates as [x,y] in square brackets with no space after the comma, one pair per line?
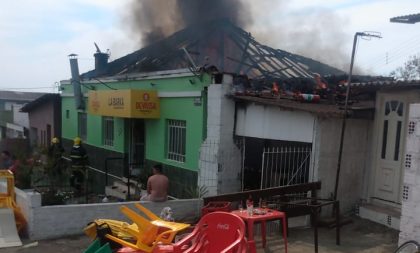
[395,52]
[27,88]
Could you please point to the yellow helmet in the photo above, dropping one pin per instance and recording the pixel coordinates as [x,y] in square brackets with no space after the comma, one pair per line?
[77,141]
[55,140]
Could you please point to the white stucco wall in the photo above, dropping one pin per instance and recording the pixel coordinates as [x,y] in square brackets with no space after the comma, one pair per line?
[356,157]
[410,210]
[20,118]
[270,122]
[220,161]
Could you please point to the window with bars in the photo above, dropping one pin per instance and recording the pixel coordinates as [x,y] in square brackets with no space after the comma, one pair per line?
[176,140]
[108,131]
[82,125]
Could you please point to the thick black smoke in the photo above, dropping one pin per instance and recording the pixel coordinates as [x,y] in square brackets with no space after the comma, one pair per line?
[155,19]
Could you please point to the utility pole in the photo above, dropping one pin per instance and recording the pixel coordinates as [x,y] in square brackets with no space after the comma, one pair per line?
[343,126]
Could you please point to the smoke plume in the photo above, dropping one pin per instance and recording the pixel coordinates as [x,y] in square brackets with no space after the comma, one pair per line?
[315,33]
[155,19]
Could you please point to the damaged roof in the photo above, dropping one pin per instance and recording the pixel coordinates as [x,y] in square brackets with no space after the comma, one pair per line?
[221,44]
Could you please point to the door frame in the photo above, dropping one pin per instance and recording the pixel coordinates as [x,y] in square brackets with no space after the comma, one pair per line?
[412,96]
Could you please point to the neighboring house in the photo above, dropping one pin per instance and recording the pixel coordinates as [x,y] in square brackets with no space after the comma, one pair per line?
[44,119]
[13,122]
[279,134]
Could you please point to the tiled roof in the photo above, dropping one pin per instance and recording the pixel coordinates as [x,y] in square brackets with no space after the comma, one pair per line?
[40,100]
[394,83]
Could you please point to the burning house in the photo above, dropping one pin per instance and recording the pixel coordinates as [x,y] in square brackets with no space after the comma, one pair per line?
[190,71]
[223,112]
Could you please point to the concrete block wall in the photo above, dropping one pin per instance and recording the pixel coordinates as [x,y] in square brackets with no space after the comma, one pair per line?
[410,211]
[220,159]
[47,222]
[356,154]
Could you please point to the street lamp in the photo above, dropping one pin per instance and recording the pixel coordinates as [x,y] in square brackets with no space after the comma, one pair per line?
[343,126]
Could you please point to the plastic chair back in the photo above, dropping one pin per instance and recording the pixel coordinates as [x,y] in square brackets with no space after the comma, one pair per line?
[216,232]
[174,227]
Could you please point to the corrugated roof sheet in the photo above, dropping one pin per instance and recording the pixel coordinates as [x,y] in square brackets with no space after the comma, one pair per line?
[19,96]
[325,109]
[408,19]
[40,100]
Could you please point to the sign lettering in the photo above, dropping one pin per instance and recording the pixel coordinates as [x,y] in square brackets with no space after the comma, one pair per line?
[124,103]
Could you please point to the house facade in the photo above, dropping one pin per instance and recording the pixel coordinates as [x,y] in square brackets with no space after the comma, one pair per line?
[289,142]
[129,124]
[13,122]
[44,116]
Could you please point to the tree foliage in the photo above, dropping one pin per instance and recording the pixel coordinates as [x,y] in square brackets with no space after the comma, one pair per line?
[409,71]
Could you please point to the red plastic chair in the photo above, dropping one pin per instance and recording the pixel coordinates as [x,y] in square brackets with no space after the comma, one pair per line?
[216,232]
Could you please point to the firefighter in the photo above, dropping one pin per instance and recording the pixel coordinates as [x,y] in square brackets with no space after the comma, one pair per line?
[55,152]
[79,160]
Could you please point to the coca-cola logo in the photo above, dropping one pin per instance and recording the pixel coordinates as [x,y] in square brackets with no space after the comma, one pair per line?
[223,226]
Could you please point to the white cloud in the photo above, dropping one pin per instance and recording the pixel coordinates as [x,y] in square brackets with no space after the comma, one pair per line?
[37,36]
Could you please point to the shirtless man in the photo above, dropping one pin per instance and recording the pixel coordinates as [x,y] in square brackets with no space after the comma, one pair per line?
[157,185]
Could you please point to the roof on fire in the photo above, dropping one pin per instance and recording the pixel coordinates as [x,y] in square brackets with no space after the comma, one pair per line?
[220,44]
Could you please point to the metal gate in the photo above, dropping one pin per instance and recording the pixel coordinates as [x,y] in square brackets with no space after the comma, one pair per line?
[283,166]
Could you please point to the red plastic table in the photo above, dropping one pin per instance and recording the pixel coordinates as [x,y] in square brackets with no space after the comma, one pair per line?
[263,218]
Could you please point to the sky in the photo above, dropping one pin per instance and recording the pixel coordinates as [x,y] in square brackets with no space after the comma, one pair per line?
[37,36]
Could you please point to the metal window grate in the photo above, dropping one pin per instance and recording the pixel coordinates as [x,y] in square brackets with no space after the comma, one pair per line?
[285,165]
[108,131]
[82,125]
[176,140]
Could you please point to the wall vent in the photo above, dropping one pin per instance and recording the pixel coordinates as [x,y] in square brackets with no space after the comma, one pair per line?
[411,127]
[407,162]
[405,192]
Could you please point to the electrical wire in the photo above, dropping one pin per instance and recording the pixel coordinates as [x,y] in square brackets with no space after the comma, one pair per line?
[27,88]
[104,84]
[404,49]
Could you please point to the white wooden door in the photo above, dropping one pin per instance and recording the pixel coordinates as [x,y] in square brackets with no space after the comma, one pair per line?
[392,120]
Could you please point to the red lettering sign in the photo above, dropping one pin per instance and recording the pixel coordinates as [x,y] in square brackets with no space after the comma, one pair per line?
[145,106]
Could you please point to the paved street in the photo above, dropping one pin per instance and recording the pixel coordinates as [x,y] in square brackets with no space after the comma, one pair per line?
[361,236]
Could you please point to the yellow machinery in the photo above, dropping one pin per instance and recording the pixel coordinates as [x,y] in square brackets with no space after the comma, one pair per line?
[8,198]
[143,234]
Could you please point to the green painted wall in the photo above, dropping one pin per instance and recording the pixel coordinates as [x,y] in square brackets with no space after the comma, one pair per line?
[69,124]
[178,108]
